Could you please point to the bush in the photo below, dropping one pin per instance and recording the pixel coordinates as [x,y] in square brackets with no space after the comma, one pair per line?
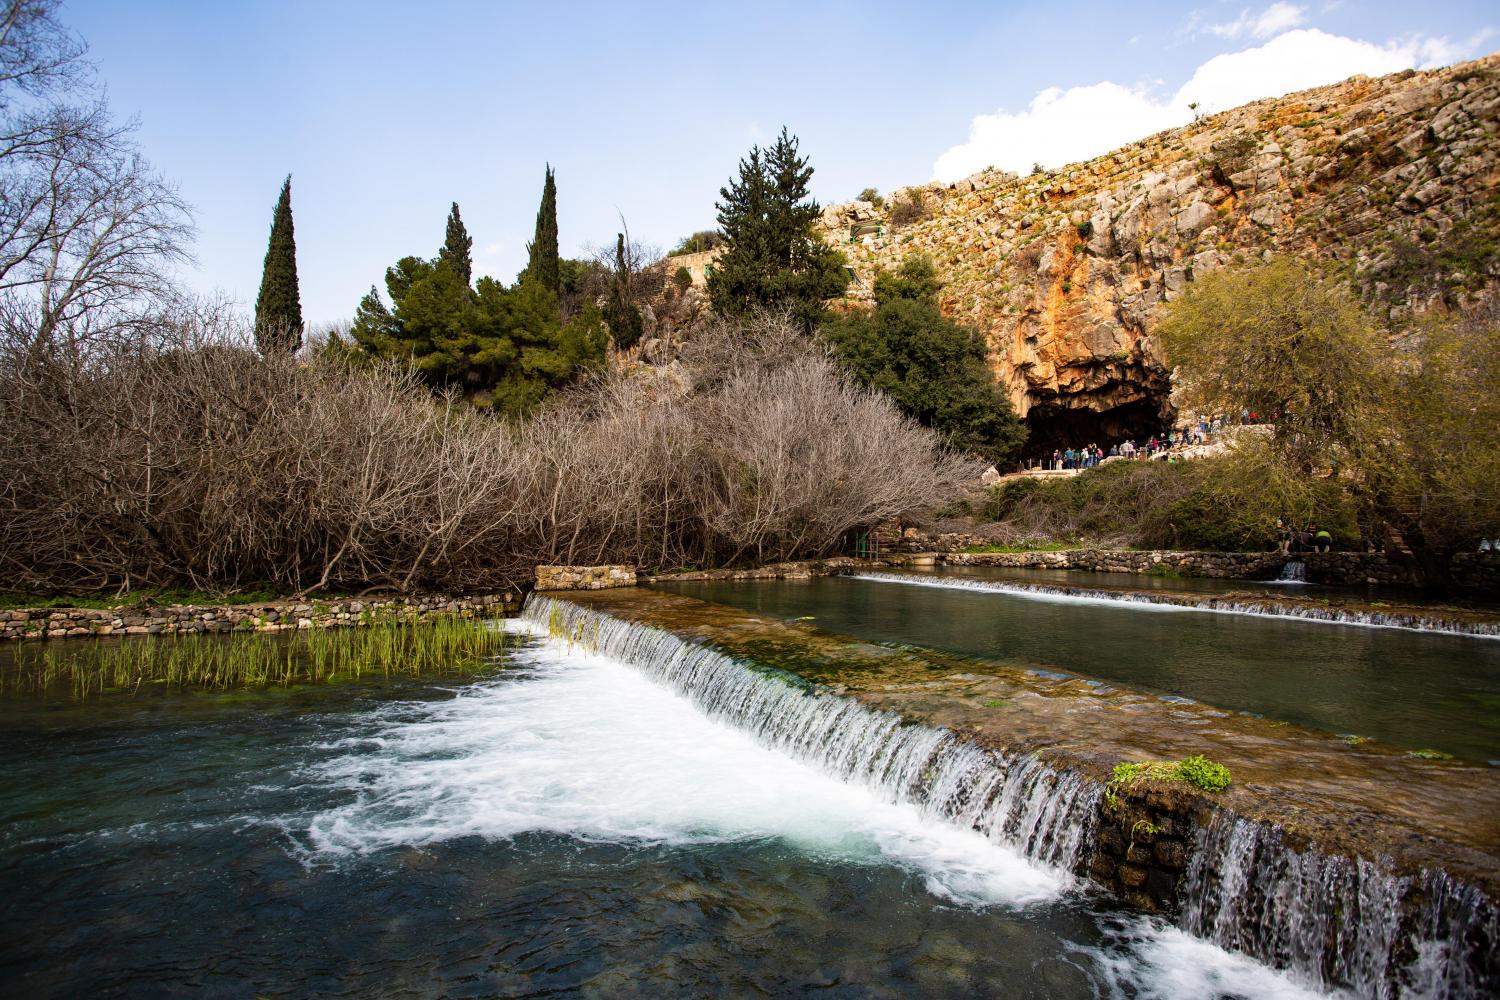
[934,368]
[911,209]
[1227,503]
[682,278]
[704,239]
[872,196]
[195,462]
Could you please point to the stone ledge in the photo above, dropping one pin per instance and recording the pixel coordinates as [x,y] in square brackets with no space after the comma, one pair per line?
[584,577]
[273,616]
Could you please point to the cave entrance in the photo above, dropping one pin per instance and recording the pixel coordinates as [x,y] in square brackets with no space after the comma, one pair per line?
[1055,427]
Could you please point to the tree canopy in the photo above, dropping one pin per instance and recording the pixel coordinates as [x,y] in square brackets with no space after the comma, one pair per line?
[772,258]
[503,348]
[934,368]
[1413,436]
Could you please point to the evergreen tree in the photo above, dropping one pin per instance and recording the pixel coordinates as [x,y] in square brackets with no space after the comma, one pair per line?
[934,368]
[772,257]
[456,247]
[278,307]
[503,348]
[625,321]
[543,264]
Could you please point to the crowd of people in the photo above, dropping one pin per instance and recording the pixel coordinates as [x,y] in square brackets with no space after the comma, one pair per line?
[1190,433]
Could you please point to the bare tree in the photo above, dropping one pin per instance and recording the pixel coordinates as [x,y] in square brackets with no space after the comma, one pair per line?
[89,234]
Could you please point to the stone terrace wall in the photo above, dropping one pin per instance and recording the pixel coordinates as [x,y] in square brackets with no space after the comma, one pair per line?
[1472,570]
[584,577]
[278,616]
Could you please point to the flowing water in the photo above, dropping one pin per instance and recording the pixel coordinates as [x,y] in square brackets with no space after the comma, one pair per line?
[618,817]
[1413,689]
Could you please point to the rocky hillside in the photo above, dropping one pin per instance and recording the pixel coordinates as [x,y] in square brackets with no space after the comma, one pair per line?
[1397,178]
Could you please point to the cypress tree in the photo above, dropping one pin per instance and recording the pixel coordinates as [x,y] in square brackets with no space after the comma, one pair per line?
[625,321]
[278,307]
[544,264]
[456,246]
[772,258]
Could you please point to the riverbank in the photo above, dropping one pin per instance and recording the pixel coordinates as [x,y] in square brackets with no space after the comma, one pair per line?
[42,623]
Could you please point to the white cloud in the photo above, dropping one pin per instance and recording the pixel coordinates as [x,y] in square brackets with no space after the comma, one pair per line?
[1064,126]
[1273,20]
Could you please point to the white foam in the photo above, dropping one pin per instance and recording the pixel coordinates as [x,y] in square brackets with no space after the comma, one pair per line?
[589,748]
[1152,962]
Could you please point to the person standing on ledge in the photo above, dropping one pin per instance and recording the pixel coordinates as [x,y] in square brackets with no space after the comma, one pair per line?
[1323,540]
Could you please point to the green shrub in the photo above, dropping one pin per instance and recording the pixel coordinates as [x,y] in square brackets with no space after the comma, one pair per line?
[1197,770]
[682,278]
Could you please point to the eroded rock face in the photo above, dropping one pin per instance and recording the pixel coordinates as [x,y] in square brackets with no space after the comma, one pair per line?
[1067,271]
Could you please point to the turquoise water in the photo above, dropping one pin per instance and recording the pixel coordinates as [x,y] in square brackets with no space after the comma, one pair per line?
[1411,689]
[565,828]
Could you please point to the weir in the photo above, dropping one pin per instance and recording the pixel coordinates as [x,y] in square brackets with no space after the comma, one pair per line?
[1337,881]
[1480,626]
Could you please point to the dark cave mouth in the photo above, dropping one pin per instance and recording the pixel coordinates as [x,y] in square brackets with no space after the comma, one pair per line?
[1054,427]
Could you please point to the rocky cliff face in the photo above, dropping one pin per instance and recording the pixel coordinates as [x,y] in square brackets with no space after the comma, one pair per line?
[1066,271]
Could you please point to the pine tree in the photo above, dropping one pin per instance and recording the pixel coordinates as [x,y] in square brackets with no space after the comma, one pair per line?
[625,322]
[772,257]
[278,307]
[543,264]
[456,246]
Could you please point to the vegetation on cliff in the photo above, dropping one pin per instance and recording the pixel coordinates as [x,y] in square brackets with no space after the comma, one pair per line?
[933,367]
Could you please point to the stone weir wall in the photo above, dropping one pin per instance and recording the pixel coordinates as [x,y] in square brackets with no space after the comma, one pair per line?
[1473,570]
[274,616]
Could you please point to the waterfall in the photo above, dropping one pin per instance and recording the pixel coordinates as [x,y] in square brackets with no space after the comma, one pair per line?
[1045,814]
[1293,571]
[1235,605]
[1333,923]
[1338,923]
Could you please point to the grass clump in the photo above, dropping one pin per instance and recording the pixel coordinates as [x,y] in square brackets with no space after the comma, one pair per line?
[1197,770]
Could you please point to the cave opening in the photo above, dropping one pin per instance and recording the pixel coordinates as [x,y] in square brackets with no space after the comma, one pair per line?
[1059,427]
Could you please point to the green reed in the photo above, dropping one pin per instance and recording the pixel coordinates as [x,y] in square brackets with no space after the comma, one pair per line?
[398,647]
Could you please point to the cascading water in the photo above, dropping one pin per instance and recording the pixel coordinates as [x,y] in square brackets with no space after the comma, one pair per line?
[1045,814]
[1337,923]
[1179,602]
[1334,924]
[1293,571]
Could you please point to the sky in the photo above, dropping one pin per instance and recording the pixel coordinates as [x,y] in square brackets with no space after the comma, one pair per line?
[385,113]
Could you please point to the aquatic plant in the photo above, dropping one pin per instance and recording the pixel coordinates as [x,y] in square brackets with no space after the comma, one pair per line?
[396,647]
[1196,770]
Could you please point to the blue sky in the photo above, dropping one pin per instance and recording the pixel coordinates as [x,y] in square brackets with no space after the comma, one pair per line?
[384,113]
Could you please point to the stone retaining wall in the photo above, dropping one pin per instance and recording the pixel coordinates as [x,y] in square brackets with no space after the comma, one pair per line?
[1472,570]
[1144,843]
[276,616]
[584,577]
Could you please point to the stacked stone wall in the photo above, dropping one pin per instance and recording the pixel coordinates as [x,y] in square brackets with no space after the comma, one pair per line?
[275,616]
[584,577]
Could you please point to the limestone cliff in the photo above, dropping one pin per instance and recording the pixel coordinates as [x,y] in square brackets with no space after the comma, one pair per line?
[1065,271]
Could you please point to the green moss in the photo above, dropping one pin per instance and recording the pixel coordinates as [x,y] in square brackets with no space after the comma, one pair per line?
[1198,771]
[1426,754]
